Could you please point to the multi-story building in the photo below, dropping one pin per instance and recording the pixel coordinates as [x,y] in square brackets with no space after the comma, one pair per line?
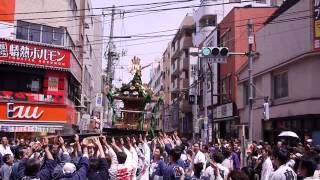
[168,125]
[156,83]
[286,71]
[46,55]
[206,20]
[233,34]
[180,45]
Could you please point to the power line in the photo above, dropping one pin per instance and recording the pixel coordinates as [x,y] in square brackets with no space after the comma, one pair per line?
[228,22]
[273,22]
[97,8]
[150,10]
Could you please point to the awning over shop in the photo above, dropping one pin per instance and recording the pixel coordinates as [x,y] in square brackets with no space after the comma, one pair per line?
[30,127]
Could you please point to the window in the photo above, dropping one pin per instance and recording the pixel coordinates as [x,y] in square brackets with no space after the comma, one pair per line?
[22,30]
[58,36]
[34,32]
[39,33]
[225,39]
[280,85]
[47,34]
[20,82]
[73,7]
[208,21]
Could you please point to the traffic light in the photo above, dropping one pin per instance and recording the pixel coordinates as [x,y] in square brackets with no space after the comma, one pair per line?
[10,110]
[214,52]
[266,112]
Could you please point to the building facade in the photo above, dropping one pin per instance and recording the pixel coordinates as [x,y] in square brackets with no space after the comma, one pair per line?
[156,84]
[181,108]
[285,71]
[207,18]
[47,62]
[233,34]
[168,125]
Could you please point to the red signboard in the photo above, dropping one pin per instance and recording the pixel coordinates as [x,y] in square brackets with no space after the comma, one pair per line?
[38,55]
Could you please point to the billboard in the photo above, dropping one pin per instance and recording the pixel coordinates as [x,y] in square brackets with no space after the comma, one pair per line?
[31,54]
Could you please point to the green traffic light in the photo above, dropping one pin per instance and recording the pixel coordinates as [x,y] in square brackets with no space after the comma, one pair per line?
[206,51]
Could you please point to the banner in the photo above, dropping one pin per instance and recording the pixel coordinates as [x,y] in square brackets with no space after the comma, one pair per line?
[29,54]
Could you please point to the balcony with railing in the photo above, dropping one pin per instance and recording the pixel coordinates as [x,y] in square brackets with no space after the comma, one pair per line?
[184,64]
[175,67]
[174,85]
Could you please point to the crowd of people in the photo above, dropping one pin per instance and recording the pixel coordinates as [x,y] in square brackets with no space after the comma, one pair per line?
[165,157]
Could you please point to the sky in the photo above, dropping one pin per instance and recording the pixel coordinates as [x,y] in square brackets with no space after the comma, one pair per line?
[153,22]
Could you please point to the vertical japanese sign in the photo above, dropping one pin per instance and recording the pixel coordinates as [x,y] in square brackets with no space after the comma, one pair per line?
[25,53]
[99,100]
[316,23]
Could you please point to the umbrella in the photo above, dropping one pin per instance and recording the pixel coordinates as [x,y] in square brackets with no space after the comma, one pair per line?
[288,134]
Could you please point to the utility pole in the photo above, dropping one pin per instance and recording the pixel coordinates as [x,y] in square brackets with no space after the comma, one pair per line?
[212,108]
[250,56]
[205,120]
[111,52]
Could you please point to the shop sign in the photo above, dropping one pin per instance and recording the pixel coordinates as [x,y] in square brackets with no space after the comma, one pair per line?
[23,112]
[225,110]
[19,52]
[99,100]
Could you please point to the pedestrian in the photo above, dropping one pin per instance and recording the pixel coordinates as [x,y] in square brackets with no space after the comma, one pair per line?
[308,166]
[4,147]
[30,168]
[157,165]
[267,167]
[6,168]
[216,171]
[198,156]
[283,172]
[173,170]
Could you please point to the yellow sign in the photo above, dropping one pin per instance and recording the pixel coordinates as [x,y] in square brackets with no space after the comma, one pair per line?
[317,29]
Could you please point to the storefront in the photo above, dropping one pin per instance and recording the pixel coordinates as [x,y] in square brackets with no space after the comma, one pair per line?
[306,126]
[225,121]
[39,88]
